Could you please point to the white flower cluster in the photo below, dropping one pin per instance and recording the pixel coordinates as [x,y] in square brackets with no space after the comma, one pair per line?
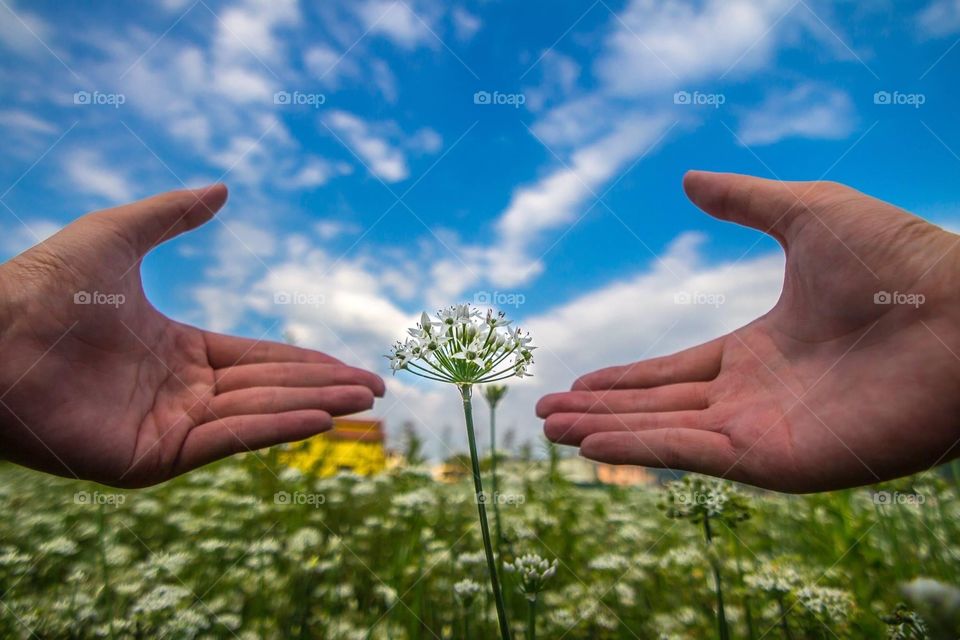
[466,590]
[464,347]
[835,605]
[696,497]
[775,578]
[533,572]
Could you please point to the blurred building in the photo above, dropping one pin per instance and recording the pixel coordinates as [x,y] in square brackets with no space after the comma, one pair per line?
[585,472]
[624,475]
[352,445]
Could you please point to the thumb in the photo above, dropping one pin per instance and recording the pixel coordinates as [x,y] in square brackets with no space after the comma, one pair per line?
[146,223]
[772,206]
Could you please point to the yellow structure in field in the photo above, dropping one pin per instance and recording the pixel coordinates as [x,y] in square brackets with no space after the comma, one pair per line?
[352,445]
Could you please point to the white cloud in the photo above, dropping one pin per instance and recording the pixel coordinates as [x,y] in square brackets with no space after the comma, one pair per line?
[329,65]
[465,24]
[251,26]
[384,80]
[333,69]
[23,122]
[425,140]
[659,44]
[22,32]
[18,236]
[240,250]
[175,5]
[940,18]
[243,84]
[88,172]
[808,111]
[560,74]
[395,20]
[316,172]
[330,229]
[556,199]
[383,159]
[26,134]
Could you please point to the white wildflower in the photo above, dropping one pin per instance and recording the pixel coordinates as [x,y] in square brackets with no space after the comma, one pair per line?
[533,572]
[462,347]
[466,591]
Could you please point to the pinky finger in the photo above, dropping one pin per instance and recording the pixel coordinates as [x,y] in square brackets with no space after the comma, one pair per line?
[235,434]
[682,449]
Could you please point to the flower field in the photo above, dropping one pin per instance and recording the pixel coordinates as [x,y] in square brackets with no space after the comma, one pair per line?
[251,549]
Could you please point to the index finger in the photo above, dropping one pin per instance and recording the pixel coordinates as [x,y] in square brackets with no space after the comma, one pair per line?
[229,351]
[698,364]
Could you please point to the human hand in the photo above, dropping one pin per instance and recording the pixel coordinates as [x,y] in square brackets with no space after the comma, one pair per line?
[114,391]
[827,390]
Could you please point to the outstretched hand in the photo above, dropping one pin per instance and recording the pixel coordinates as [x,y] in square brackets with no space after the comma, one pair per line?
[851,378]
[96,383]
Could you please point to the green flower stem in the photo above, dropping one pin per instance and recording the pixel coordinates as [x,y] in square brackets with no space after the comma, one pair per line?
[493,477]
[784,625]
[104,567]
[532,620]
[721,614]
[465,392]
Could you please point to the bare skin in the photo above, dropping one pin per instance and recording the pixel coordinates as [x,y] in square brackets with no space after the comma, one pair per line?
[123,395]
[828,389]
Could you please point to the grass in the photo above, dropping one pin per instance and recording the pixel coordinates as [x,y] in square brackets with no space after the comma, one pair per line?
[248,548]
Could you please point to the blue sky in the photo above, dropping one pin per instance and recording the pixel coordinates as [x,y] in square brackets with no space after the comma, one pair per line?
[387,183]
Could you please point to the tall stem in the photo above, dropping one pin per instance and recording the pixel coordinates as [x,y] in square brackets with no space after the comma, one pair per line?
[784,625]
[721,614]
[465,392]
[532,620]
[493,477]
[107,588]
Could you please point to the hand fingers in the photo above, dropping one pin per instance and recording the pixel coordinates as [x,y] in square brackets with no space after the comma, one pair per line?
[227,351]
[147,223]
[221,438]
[683,449]
[573,428]
[771,206]
[295,374]
[687,395]
[337,401]
[701,363]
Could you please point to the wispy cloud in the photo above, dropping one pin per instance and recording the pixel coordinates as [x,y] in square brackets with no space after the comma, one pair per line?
[90,173]
[808,111]
[395,20]
[940,18]
[384,159]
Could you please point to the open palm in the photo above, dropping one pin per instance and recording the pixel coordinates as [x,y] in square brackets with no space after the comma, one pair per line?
[96,383]
[851,378]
